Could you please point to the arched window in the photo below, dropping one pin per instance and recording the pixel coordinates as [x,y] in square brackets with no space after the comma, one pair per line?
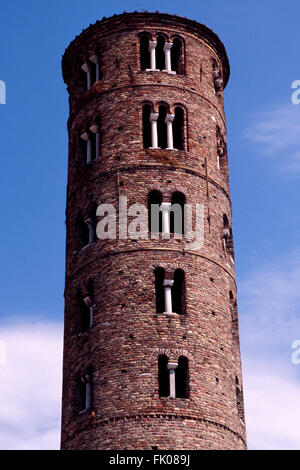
[162,127]
[178,129]
[234,319]
[146,126]
[227,236]
[176,53]
[221,151]
[86,228]
[91,69]
[160,54]
[239,399]
[154,213]
[82,231]
[217,77]
[159,290]
[91,142]
[178,292]
[182,378]
[177,213]
[84,391]
[84,312]
[144,52]
[163,376]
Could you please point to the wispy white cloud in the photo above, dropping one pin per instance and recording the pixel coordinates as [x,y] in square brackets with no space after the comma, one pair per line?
[30,386]
[276,133]
[269,322]
[272,406]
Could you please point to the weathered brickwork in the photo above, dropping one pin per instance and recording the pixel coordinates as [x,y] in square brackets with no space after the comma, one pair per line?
[127,336]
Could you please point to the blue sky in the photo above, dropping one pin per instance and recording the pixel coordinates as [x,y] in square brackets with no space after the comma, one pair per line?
[262,41]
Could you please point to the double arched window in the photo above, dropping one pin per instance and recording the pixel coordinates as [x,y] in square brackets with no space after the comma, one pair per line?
[91,70]
[170,291]
[91,141]
[166,217]
[173,377]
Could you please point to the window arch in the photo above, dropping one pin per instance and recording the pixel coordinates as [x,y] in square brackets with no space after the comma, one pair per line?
[178,292]
[144,51]
[86,228]
[154,212]
[176,55]
[162,126]
[182,378]
[147,126]
[163,376]
[83,393]
[160,54]
[239,399]
[178,128]
[217,77]
[159,290]
[177,223]
[82,231]
[227,237]
[84,312]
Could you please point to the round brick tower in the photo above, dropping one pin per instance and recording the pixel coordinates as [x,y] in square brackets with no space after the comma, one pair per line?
[151,346]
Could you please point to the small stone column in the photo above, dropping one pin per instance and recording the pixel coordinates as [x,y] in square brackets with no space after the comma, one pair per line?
[167,284]
[152,47]
[95,130]
[172,366]
[85,136]
[154,137]
[95,59]
[165,209]
[88,301]
[87,69]
[167,51]
[169,121]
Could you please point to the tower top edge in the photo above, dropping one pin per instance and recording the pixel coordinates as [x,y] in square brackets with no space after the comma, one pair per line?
[131,20]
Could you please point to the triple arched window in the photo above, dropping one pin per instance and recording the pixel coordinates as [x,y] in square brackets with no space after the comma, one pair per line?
[162,54]
[163,129]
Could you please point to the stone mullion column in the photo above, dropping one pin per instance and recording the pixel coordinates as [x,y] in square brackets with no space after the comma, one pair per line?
[172,366]
[95,130]
[167,51]
[154,136]
[152,47]
[165,209]
[169,121]
[85,136]
[168,284]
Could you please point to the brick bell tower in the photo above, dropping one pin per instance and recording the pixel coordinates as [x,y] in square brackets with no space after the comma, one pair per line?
[151,346]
